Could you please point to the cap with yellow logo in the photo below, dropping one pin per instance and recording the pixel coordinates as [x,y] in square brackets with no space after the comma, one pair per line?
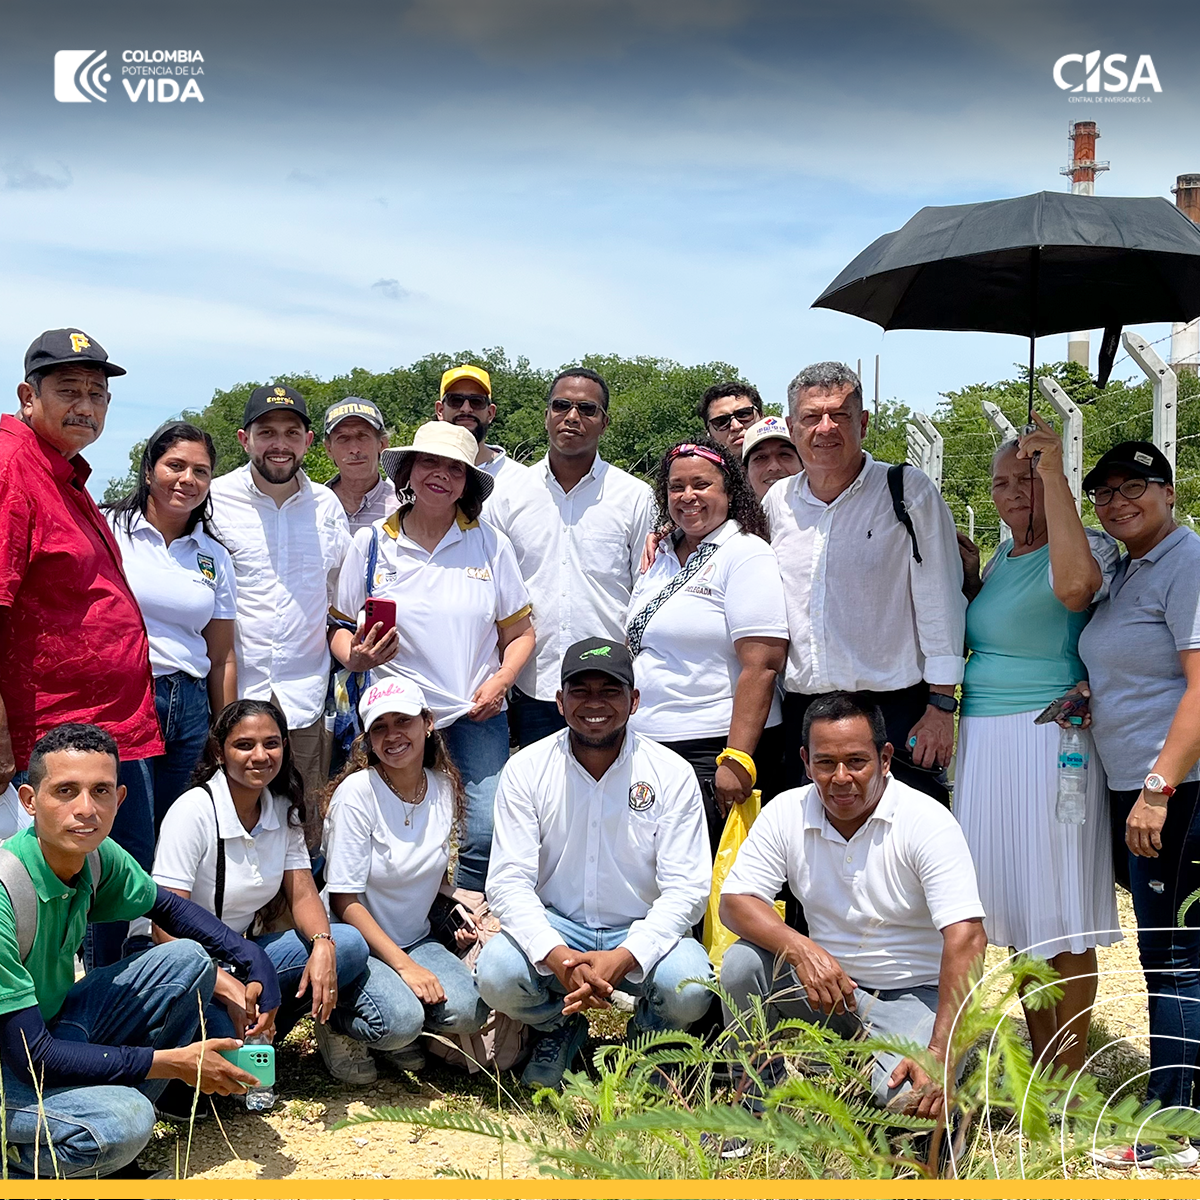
[274,397]
[466,371]
[61,347]
[353,406]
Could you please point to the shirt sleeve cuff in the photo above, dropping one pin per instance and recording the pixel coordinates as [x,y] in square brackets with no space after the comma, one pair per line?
[943,670]
[646,949]
[541,945]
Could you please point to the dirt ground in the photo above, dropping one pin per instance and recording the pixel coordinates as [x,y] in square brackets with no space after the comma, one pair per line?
[297,1138]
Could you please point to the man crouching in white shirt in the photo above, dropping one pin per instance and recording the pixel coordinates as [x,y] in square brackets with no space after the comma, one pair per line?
[600,866]
[889,890]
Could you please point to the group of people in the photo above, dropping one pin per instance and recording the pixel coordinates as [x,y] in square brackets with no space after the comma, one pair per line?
[548,685]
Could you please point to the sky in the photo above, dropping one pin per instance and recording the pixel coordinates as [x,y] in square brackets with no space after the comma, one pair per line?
[366,183]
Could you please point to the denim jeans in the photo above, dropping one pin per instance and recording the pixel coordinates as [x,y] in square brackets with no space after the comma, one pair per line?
[182,703]
[1170,952]
[748,970]
[385,1014]
[479,749]
[289,952]
[153,999]
[511,984]
[530,720]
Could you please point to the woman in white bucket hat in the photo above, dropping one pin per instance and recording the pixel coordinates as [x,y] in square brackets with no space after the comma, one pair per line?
[463,627]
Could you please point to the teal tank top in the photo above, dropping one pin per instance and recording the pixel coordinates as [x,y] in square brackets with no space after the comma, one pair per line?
[1023,640]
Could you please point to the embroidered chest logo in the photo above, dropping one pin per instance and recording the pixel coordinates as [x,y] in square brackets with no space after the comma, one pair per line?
[479,573]
[641,797]
[208,567]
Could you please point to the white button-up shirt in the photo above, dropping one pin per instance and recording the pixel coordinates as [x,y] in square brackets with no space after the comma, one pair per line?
[877,902]
[286,558]
[863,614]
[507,473]
[628,850]
[579,553]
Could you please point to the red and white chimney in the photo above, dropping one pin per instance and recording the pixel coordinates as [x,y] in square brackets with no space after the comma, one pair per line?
[1082,171]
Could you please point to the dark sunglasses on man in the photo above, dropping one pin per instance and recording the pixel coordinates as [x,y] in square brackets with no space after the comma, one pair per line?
[458,399]
[745,416]
[586,408]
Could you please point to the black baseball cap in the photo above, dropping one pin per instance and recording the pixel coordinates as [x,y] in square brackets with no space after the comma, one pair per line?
[1143,459]
[599,654]
[273,397]
[61,347]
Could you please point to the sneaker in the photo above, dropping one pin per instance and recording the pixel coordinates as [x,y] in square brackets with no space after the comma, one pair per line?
[1147,1154]
[727,1148]
[175,1104]
[345,1059]
[407,1058]
[554,1052]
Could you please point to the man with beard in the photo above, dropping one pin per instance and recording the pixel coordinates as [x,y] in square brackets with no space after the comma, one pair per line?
[465,399]
[600,867]
[287,536]
[73,645]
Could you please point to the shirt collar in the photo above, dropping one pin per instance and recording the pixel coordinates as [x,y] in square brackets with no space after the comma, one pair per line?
[368,497]
[393,529]
[723,532]
[622,757]
[229,824]
[66,470]
[258,494]
[816,818]
[804,491]
[599,466]
[47,885]
[1165,546]
[139,524]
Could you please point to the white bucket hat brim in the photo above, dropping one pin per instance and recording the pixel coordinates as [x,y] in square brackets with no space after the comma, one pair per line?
[446,441]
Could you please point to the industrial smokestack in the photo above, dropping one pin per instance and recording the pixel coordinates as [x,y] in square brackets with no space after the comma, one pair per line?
[1185,338]
[1083,171]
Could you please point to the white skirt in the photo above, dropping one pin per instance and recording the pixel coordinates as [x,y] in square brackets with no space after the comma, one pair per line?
[1047,888]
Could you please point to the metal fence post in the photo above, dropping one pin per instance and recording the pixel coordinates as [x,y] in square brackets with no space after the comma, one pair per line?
[998,421]
[918,447]
[970,522]
[936,443]
[1165,386]
[1072,437]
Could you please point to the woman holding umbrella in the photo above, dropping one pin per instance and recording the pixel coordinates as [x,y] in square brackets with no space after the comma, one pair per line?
[1047,886]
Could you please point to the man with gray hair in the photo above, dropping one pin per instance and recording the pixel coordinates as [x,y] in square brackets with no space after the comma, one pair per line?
[873,581]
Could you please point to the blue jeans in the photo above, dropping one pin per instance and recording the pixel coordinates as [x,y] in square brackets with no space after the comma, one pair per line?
[289,952]
[387,1014]
[479,749]
[749,970]
[1170,953]
[511,984]
[152,1000]
[530,720]
[182,703]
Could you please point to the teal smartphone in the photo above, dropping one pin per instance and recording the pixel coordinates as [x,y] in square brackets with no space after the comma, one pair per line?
[258,1061]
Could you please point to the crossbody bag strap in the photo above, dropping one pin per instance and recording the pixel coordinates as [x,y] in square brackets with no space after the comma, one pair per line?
[219,888]
[637,627]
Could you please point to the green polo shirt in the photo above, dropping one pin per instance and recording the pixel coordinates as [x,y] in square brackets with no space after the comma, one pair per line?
[44,979]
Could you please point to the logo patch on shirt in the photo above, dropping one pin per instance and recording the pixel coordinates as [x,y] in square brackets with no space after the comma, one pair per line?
[641,797]
[382,576]
[208,567]
[479,573]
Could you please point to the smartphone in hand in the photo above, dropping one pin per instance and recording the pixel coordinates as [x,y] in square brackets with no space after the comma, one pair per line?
[1073,704]
[377,610]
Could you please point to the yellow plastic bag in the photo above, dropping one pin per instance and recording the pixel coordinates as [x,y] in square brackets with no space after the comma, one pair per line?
[718,939]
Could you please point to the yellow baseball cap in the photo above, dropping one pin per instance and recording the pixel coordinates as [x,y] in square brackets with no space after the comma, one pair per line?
[466,371]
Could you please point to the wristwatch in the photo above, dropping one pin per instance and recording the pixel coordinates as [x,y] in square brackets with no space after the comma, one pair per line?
[1156,783]
[946,704]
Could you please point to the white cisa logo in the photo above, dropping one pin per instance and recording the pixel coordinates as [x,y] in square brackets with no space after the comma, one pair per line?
[1066,74]
[80,76]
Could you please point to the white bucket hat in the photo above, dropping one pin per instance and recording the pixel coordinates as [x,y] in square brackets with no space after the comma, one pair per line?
[446,441]
[396,694]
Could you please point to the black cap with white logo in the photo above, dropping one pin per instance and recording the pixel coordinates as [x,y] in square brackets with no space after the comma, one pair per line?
[274,397]
[353,406]
[1143,459]
[599,654]
[63,347]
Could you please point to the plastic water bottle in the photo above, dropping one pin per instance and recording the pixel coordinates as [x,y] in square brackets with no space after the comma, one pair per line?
[1073,755]
[259,1099]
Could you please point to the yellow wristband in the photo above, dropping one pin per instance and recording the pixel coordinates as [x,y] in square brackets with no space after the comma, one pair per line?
[742,759]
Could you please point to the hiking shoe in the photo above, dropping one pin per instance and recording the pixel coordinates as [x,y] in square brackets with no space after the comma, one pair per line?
[554,1052]
[345,1059]
[727,1148]
[407,1058]
[175,1104]
[1147,1154]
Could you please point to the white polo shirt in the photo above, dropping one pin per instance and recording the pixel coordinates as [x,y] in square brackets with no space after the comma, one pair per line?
[186,856]
[877,902]
[448,605]
[13,818]
[179,588]
[688,668]
[286,559]
[863,613]
[579,553]
[629,849]
[396,868]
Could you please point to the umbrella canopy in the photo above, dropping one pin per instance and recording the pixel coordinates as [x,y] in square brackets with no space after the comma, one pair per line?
[1033,265]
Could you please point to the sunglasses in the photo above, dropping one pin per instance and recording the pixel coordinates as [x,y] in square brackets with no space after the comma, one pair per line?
[474,399]
[587,408]
[1131,489]
[745,416]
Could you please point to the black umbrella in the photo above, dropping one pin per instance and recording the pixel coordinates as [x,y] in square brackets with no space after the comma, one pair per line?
[1032,265]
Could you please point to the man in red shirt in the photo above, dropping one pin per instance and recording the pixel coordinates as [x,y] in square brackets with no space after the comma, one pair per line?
[73,645]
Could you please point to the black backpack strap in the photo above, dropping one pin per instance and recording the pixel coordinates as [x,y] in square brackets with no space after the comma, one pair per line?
[895,482]
[219,888]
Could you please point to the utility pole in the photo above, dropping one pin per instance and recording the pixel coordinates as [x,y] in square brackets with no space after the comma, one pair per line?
[1072,439]
[1165,385]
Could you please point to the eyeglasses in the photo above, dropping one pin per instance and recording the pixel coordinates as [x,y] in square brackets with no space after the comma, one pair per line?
[474,399]
[587,408]
[1131,489]
[745,416]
